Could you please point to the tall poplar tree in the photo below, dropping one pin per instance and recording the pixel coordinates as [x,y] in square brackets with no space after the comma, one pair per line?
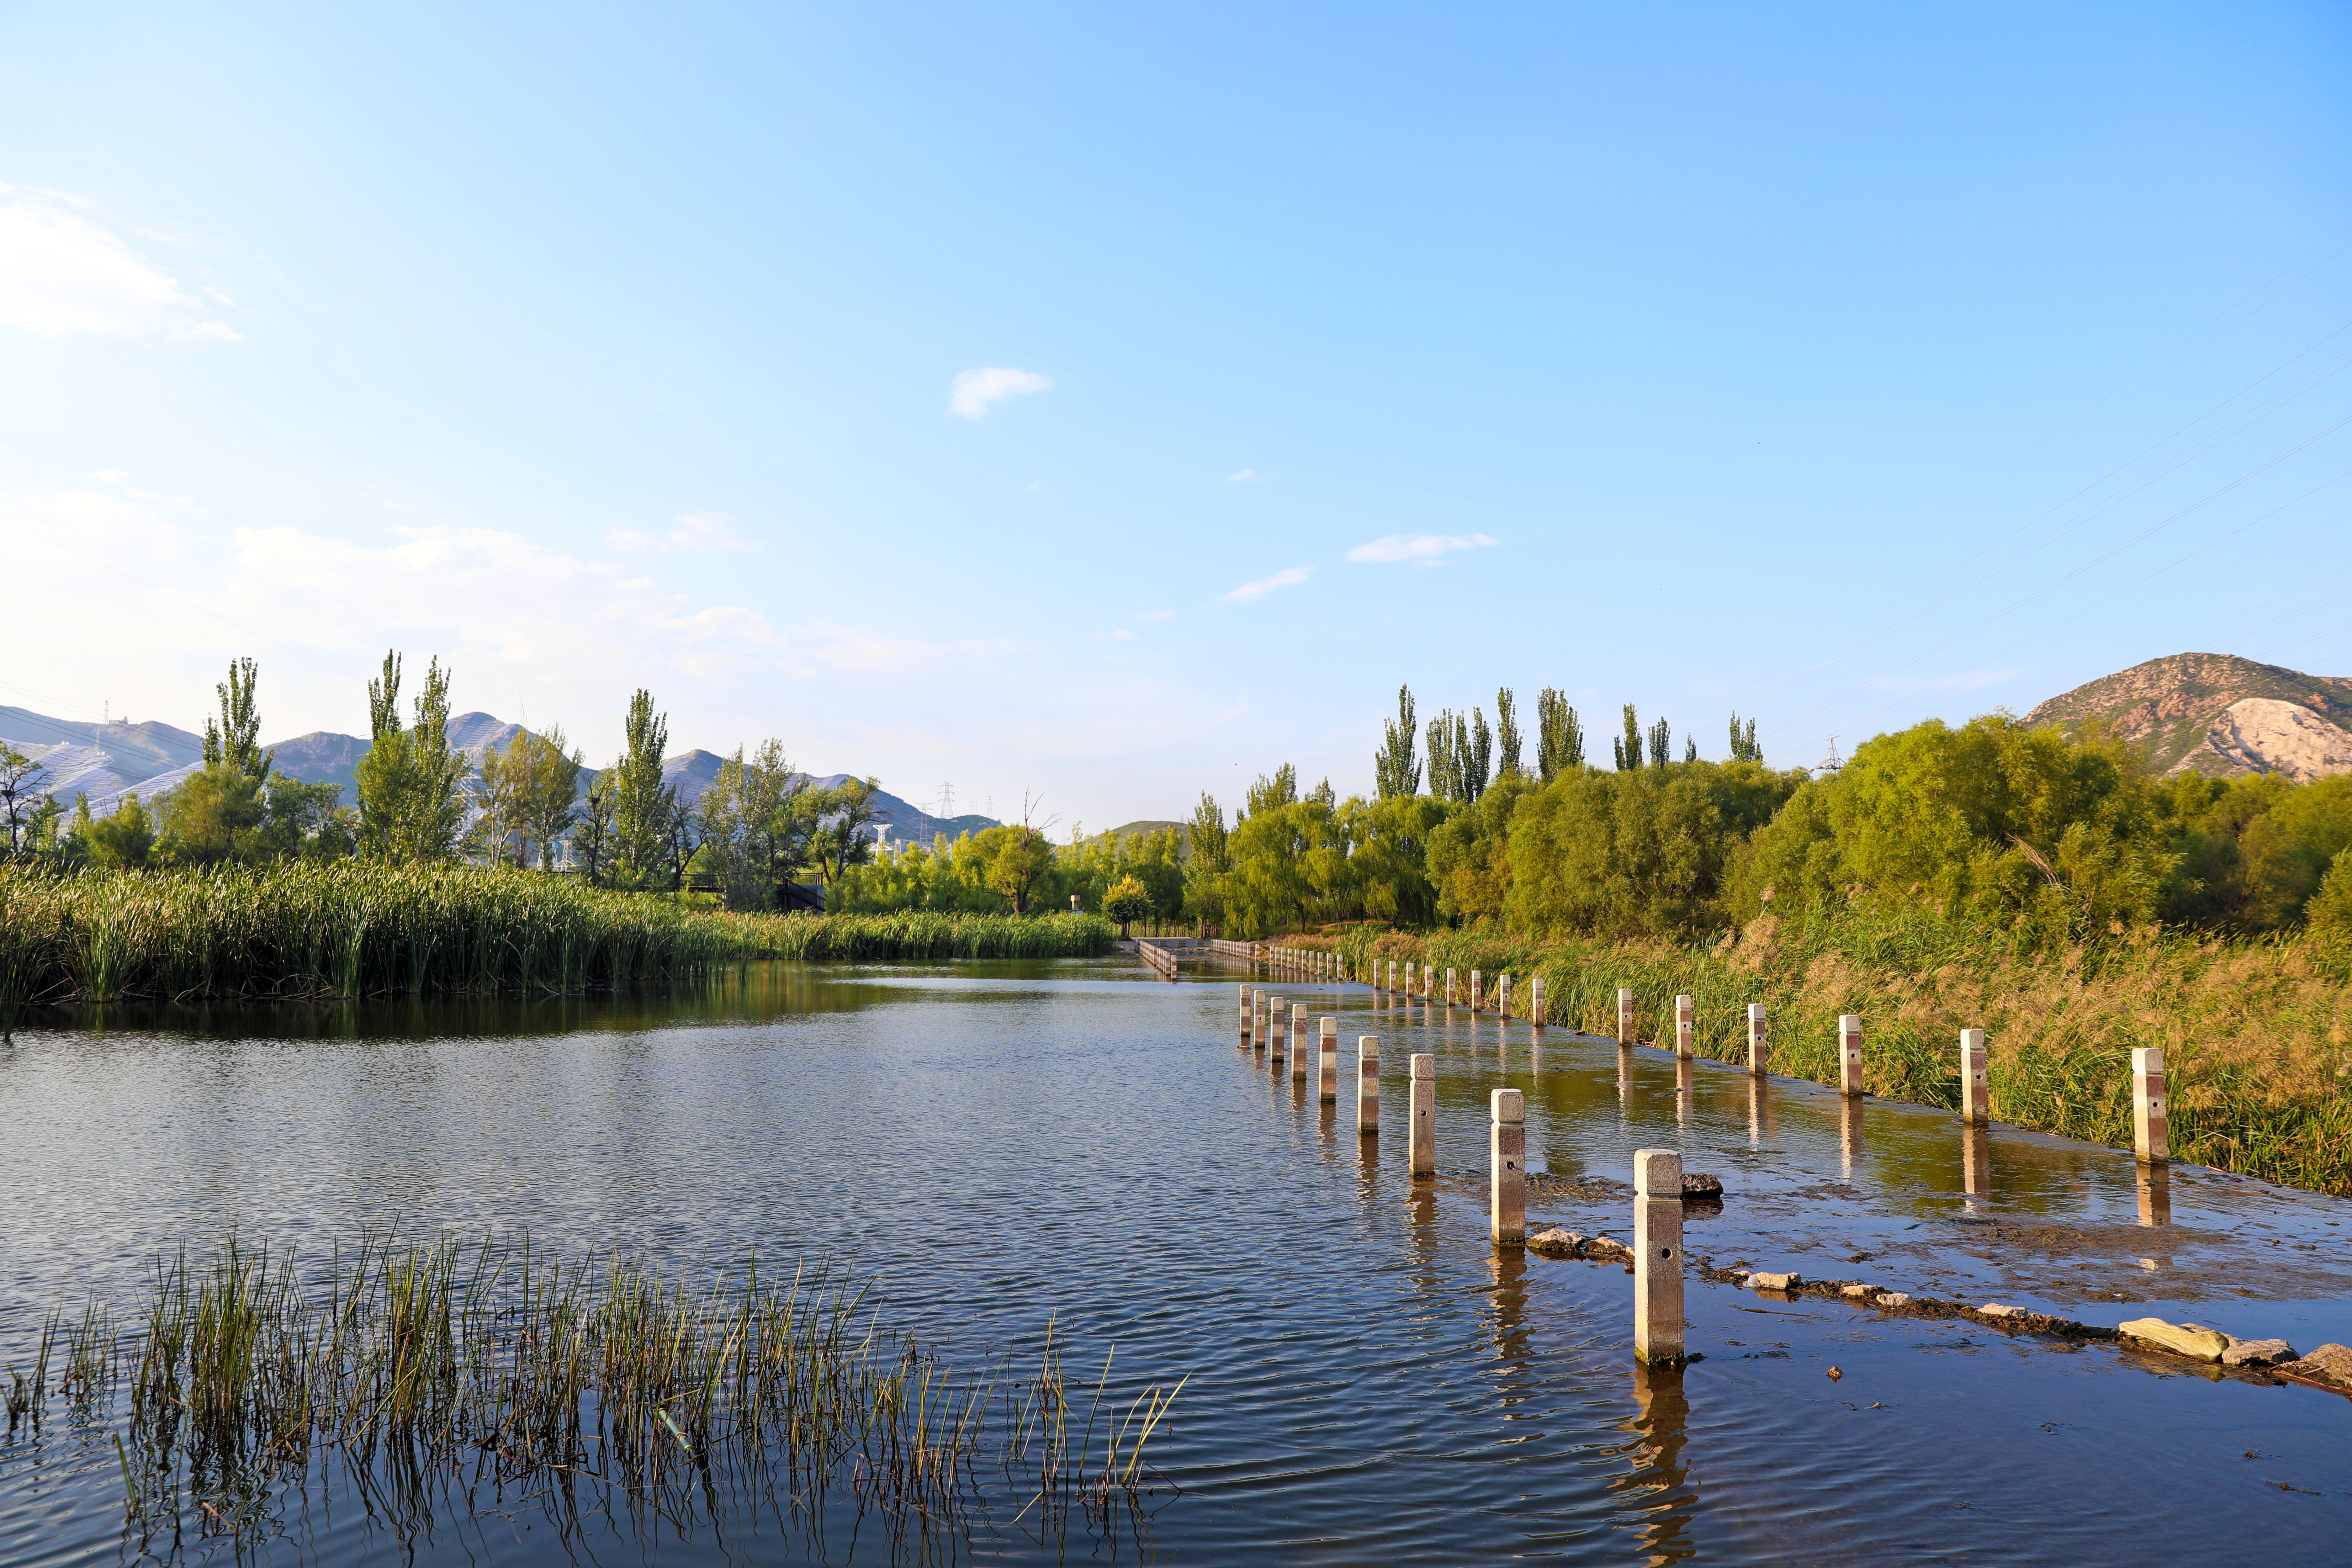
[1559,737]
[1507,733]
[1395,770]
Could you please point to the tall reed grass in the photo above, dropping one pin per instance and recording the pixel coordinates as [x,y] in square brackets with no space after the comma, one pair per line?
[238,1373]
[364,930]
[2257,1034]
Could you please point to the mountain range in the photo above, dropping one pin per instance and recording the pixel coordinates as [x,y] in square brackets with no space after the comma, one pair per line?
[107,762]
[2217,714]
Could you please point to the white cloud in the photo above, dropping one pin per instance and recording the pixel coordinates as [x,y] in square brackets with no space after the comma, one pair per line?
[975,391]
[61,273]
[1421,549]
[697,533]
[1246,477]
[1251,593]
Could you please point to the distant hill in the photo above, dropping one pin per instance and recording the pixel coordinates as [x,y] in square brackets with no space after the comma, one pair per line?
[2217,714]
[150,758]
[1143,825]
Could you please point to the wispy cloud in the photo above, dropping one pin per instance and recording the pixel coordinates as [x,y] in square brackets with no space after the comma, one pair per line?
[1251,593]
[1246,477]
[1421,549]
[63,273]
[697,533]
[977,391]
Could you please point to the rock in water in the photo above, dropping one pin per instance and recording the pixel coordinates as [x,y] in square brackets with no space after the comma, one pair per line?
[1555,1240]
[2191,1339]
[1775,1281]
[1699,1185]
[2257,1352]
[2329,1364]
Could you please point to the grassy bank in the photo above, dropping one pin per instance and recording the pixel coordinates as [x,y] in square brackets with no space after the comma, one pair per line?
[360,930]
[2257,1034]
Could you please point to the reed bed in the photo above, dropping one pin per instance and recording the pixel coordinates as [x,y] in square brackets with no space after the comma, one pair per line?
[367,929]
[2257,1034]
[239,1375]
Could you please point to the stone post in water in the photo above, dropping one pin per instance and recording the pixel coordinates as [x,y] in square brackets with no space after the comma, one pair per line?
[1536,1000]
[1408,976]
[1624,1014]
[1257,1016]
[1368,1083]
[1759,1050]
[1850,1053]
[1506,1149]
[1328,1073]
[1503,996]
[1477,990]
[1422,1153]
[1246,1016]
[1277,1021]
[1685,1027]
[1298,1040]
[1658,1255]
[1975,1094]
[2149,1139]
[1449,988]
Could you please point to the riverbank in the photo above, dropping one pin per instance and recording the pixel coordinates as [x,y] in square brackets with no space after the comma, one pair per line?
[2257,1034]
[356,928]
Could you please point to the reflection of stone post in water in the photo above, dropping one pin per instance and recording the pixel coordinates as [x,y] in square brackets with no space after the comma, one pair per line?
[1685,1027]
[1685,1077]
[1624,1076]
[1664,1428]
[1535,1001]
[1976,1160]
[1624,1014]
[1420,1136]
[1506,1152]
[1849,1133]
[1503,996]
[1477,990]
[1299,1040]
[1449,988]
[1327,1076]
[1368,1083]
[2155,1194]
[1657,1255]
[1975,1094]
[1849,1054]
[1759,1110]
[1759,1051]
[2149,1142]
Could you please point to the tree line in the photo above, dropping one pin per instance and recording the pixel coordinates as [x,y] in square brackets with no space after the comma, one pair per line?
[758,828]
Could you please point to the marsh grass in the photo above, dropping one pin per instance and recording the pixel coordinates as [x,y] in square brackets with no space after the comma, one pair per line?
[2257,1034]
[358,929]
[408,1366]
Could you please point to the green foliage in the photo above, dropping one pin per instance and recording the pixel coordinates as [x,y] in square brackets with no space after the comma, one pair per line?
[1209,859]
[2289,850]
[410,807]
[531,796]
[1461,752]
[235,739]
[836,827]
[2330,910]
[1559,737]
[1992,817]
[1627,748]
[1507,731]
[116,842]
[1016,859]
[754,832]
[1126,901]
[644,807]
[1651,852]
[1744,748]
[926,935]
[1395,770]
[1468,860]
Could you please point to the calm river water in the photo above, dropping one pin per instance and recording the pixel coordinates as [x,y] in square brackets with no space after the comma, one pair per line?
[997,1145]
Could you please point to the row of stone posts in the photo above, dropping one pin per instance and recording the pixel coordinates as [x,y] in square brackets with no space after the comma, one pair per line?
[2149,1142]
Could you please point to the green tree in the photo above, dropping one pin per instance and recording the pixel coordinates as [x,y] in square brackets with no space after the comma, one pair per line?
[235,739]
[2330,910]
[1744,748]
[1128,901]
[1208,862]
[1628,747]
[592,839]
[839,823]
[1662,744]
[19,777]
[121,841]
[531,795]
[643,804]
[1507,731]
[1559,737]
[214,815]
[1395,770]
[411,809]
[1016,859]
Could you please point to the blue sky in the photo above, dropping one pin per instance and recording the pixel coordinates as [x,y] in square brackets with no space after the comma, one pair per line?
[1115,402]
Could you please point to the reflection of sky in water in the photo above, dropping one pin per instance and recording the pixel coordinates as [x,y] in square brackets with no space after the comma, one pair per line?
[997,1144]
